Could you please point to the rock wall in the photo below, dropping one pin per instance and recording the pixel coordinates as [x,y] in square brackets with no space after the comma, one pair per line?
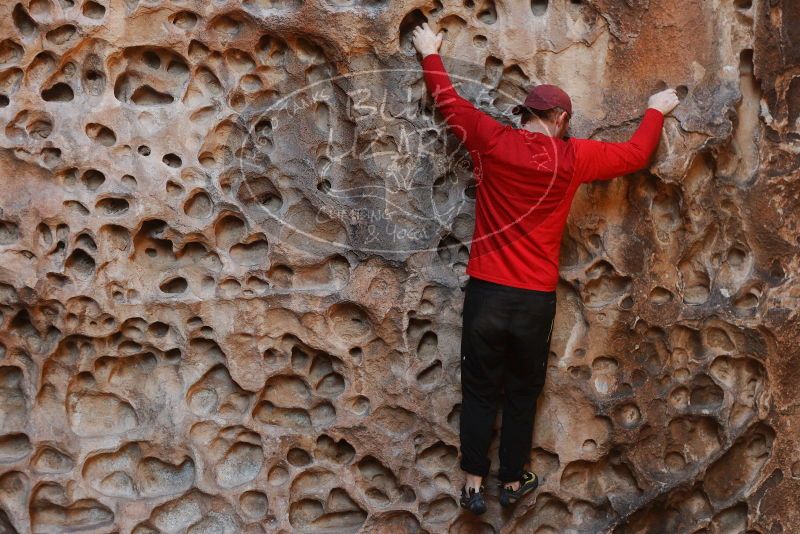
[233,235]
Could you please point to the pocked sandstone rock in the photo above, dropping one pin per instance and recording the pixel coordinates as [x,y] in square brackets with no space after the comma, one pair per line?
[232,239]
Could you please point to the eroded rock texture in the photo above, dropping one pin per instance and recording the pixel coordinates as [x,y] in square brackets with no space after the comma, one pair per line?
[233,235]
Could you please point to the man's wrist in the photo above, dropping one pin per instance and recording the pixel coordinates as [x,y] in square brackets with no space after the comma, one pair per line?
[429,53]
[656,109]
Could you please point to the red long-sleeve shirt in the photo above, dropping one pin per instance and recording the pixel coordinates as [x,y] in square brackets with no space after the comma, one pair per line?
[526,182]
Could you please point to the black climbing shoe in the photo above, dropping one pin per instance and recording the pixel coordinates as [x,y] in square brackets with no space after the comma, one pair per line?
[473,500]
[527,484]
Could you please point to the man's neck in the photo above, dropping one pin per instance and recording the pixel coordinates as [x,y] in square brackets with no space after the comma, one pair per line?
[537,127]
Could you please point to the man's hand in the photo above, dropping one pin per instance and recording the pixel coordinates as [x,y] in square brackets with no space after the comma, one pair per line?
[665,101]
[425,41]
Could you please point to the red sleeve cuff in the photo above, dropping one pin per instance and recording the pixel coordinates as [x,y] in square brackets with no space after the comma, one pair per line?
[655,115]
[432,62]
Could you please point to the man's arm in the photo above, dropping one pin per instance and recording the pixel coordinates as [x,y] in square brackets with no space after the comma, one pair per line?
[477,130]
[596,160]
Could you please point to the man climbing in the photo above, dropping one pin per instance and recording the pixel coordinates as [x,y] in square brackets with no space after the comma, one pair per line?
[527,178]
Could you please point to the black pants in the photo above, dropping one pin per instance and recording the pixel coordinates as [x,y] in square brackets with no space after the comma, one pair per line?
[505,342]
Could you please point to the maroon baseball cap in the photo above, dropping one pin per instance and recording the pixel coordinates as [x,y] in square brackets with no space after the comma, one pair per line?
[543,97]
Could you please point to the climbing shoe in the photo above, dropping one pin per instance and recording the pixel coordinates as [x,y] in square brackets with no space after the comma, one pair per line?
[473,500]
[527,484]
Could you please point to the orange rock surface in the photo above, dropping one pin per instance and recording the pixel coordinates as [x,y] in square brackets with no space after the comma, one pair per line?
[233,236]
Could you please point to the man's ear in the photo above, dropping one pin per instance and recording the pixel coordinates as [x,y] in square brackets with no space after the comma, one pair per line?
[562,123]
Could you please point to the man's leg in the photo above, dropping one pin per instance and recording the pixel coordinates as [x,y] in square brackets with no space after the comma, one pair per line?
[525,372]
[484,340]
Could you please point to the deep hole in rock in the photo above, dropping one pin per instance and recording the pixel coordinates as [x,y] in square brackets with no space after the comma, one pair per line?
[145,95]
[539,7]
[59,92]
[61,35]
[81,263]
[172,160]
[93,10]
[24,23]
[174,285]
[101,134]
[410,21]
[9,232]
[112,205]
[185,20]
[93,179]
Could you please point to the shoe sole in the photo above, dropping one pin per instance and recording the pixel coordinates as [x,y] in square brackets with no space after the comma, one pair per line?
[479,511]
[480,503]
[514,500]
